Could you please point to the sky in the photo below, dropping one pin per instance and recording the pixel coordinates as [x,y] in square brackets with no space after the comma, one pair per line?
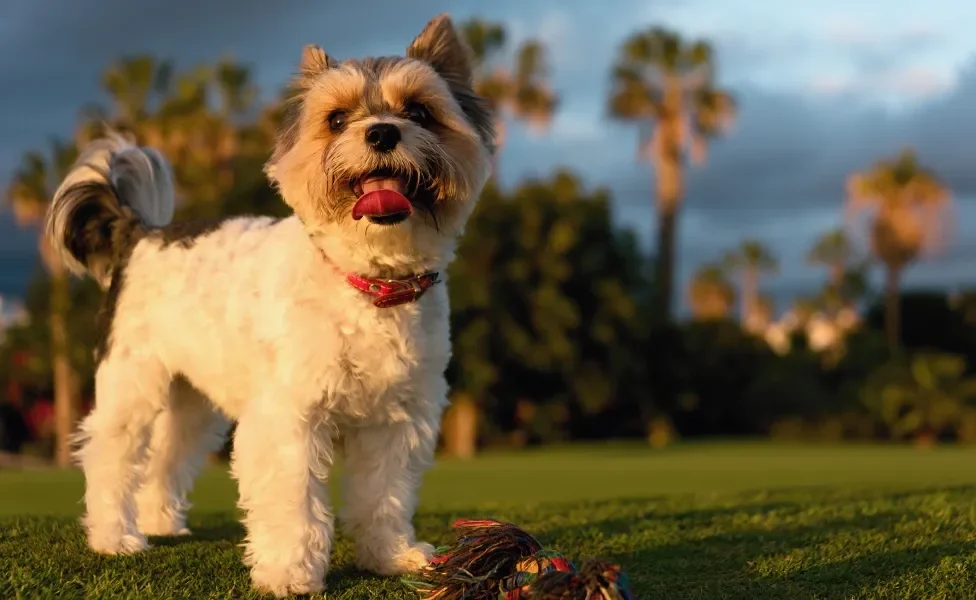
[825,88]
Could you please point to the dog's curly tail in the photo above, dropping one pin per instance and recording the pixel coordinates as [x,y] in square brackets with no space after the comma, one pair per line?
[109,199]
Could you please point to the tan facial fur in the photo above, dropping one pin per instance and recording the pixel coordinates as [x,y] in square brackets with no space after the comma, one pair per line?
[313,163]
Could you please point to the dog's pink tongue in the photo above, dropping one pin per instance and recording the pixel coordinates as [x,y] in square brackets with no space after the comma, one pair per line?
[381,197]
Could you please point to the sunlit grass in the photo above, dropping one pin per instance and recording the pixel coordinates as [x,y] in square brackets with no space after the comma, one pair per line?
[742,521]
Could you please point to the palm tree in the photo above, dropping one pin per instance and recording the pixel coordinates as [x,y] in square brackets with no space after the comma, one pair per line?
[854,283]
[763,311]
[202,142]
[907,205]
[804,308]
[487,40]
[710,293]
[751,259]
[522,90]
[28,195]
[666,86]
[835,251]
[195,117]
[136,85]
[532,100]
[237,91]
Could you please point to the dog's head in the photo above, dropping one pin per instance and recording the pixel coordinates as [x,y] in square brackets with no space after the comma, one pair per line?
[383,158]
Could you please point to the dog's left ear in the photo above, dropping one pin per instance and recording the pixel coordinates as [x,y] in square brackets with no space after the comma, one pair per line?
[314,62]
[440,45]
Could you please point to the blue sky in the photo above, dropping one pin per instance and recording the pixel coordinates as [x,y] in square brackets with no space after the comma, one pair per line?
[825,88]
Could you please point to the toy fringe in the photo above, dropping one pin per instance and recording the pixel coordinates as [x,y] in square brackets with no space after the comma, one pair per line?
[596,580]
[492,560]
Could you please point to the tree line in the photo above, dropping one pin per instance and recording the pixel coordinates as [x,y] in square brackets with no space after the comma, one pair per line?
[562,327]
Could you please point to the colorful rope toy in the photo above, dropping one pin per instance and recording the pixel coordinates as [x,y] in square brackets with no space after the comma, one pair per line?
[492,560]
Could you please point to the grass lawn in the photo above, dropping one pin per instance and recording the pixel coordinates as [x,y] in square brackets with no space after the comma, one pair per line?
[736,521]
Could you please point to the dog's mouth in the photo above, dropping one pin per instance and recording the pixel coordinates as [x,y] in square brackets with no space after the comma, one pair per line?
[384,197]
[388,197]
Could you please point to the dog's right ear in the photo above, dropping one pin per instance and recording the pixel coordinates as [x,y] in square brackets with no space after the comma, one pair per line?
[314,62]
[440,46]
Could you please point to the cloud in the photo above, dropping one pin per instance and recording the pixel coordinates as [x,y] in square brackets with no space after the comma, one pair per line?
[916,82]
[555,29]
[858,34]
[892,67]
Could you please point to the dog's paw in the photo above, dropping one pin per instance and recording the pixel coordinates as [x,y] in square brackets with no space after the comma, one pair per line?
[161,529]
[112,544]
[286,582]
[165,532]
[408,560]
[414,558]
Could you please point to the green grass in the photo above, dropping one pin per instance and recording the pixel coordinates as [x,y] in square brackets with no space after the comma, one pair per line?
[737,521]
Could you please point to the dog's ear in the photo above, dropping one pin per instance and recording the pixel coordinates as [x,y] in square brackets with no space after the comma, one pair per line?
[440,45]
[314,62]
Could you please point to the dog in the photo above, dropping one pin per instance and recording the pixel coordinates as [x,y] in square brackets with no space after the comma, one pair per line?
[322,327]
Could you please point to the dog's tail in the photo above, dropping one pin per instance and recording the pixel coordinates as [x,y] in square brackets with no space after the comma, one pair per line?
[113,194]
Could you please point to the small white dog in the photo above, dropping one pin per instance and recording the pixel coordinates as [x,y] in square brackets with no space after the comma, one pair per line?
[299,329]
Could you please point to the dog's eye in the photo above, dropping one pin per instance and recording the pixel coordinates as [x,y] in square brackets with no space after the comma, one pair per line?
[417,113]
[337,120]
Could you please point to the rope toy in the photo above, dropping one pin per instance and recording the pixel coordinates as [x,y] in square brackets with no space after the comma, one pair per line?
[492,560]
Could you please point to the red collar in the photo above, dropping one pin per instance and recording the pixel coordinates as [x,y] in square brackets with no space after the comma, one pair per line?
[393,292]
[390,292]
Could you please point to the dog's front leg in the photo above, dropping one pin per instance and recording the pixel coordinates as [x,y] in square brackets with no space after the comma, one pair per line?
[385,465]
[281,461]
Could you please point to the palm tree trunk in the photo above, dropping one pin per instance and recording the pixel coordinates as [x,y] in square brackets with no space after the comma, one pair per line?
[893,306]
[669,191]
[750,293]
[667,158]
[664,276]
[460,426]
[500,133]
[837,274]
[835,297]
[65,380]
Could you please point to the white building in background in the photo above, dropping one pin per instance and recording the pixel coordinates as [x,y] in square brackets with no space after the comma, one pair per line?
[12,312]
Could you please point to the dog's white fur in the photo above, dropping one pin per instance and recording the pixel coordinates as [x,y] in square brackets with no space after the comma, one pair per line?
[280,342]
[271,336]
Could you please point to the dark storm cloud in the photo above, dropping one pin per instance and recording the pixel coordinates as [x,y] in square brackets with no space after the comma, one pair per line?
[51,60]
[778,176]
[786,152]
[52,53]
[945,134]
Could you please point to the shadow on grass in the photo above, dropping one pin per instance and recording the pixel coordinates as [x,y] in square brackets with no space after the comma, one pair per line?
[757,551]
[752,546]
[214,528]
[847,579]
[713,568]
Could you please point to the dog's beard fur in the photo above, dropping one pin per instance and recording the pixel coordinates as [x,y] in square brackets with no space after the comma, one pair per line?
[445,159]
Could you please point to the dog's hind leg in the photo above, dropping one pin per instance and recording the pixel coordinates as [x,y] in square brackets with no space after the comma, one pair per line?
[186,430]
[130,390]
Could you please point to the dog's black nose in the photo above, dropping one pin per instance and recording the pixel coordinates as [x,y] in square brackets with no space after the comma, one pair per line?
[383,137]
